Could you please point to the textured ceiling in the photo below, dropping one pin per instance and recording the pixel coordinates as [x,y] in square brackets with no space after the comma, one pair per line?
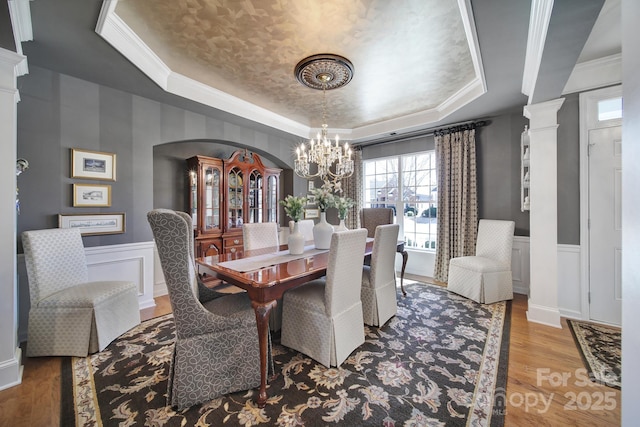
[409,56]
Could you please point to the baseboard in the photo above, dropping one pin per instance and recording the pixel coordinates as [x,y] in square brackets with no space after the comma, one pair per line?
[544,315]
[11,371]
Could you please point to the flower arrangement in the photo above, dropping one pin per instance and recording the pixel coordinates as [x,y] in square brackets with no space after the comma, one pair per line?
[294,207]
[344,204]
[324,198]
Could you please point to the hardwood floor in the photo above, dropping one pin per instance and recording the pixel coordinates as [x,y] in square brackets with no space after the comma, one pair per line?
[539,358]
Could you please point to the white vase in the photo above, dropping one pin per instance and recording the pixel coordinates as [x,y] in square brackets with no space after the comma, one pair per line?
[341,226]
[322,232]
[296,240]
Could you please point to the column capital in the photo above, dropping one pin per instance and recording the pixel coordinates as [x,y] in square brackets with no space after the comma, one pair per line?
[543,114]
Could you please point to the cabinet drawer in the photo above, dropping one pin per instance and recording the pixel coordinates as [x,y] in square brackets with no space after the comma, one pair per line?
[208,247]
[233,241]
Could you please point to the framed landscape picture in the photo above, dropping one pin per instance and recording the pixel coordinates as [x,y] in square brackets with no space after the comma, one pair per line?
[94,224]
[91,195]
[93,165]
[311,213]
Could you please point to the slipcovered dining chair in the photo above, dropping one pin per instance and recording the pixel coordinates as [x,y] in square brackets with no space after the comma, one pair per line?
[264,235]
[69,315]
[370,218]
[485,277]
[216,350]
[378,293]
[259,235]
[305,226]
[323,317]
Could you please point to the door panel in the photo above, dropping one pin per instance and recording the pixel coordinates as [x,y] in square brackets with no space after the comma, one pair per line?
[605,230]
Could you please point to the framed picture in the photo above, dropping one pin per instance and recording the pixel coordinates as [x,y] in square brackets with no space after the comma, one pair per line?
[311,200]
[311,213]
[91,195]
[93,165]
[311,186]
[94,224]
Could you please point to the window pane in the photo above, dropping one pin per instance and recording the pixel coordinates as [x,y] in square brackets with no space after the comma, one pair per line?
[609,109]
[416,195]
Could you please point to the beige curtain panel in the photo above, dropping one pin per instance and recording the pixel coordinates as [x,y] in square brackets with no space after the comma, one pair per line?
[457,198]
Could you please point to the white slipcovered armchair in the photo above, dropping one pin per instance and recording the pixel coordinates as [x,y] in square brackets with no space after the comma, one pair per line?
[70,316]
[323,318]
[485,277]
[378,293]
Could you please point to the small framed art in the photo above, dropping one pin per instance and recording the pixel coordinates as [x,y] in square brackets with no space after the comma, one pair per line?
[94,224]
[311,213]
[311,186]
[93,165]
[91,195]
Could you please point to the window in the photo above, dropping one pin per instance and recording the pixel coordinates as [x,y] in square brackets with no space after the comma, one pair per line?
[410,190]
[610,109]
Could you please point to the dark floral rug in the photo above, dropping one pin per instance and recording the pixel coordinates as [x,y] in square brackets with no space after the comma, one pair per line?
[442,361]
[601,350]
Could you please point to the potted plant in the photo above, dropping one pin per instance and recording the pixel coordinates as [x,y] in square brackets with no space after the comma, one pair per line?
[294,208]
[343,204]
[322,230]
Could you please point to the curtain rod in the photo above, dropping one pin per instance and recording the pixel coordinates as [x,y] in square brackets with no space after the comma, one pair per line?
[470,124]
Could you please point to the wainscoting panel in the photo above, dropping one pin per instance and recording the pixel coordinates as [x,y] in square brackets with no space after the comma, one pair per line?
[520,265]
[569,288]
[132,262]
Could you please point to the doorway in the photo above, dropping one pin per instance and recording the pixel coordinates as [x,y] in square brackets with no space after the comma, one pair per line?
[601,218]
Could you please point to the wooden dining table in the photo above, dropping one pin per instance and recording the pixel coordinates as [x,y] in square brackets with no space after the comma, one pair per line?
[267,284]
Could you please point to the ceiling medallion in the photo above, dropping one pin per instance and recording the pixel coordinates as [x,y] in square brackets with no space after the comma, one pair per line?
[324,71]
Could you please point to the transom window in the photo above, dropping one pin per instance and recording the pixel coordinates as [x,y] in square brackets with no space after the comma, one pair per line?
[411,191]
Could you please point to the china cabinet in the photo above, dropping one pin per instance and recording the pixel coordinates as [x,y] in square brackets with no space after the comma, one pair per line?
[226,194]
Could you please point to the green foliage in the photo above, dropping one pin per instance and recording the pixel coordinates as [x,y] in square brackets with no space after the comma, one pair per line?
[294,207]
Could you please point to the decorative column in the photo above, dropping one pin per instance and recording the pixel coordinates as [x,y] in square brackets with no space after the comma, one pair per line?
[10,354]
[543,216]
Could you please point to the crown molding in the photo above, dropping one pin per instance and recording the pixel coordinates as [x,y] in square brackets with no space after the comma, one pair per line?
[538,27]
[597,73]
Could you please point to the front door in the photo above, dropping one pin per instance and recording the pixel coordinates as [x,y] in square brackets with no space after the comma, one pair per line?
[605,224]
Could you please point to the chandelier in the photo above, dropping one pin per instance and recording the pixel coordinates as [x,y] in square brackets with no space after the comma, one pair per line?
[331,159]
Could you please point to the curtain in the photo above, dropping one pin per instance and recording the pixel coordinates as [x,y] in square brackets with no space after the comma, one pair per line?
[457,198]
[352,188]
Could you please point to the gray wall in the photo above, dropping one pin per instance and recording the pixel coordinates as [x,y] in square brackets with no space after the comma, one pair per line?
[151,140]
[58,112]
[498,157]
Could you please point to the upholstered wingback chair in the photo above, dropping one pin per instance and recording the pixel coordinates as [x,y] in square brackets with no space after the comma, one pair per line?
[485,277]
[370,218]
[69,315]
[378,294]
[323,318]
[216,350]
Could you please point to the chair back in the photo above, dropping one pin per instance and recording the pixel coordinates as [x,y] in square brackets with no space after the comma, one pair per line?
[259,235]
[384,255]
[495,240]
[55,261]
[344,270]
[305,226]
[370,218]
[171,232]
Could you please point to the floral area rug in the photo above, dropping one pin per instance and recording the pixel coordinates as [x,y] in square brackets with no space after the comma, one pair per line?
[441,361]
[601,350]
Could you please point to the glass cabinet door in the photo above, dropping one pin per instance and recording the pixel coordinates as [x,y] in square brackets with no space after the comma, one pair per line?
[255,197]
[235,198]
[272,199]
[193,190]
[212,198]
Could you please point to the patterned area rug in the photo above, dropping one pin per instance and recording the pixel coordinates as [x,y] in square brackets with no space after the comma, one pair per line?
[601,350]
[441,361]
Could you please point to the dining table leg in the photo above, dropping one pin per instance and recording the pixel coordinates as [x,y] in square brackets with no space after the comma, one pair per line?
[405,256]
[262,311]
